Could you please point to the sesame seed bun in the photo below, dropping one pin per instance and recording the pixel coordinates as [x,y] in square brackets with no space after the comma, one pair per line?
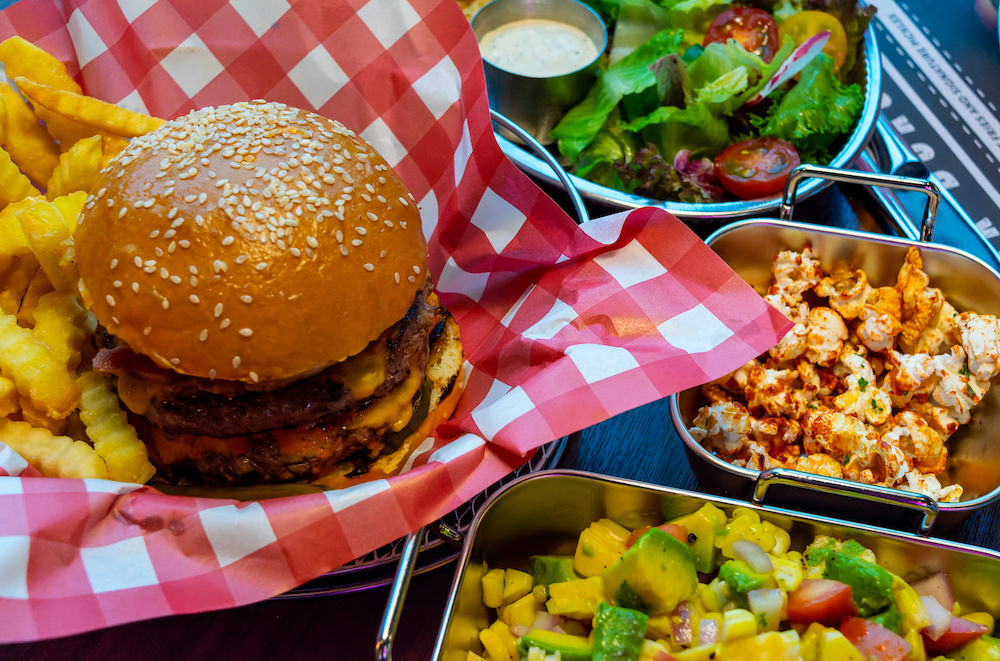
[219,245]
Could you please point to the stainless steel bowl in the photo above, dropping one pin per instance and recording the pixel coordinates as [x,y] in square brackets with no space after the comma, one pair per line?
[974,455]
[713,214]
[544,513]
[536,104]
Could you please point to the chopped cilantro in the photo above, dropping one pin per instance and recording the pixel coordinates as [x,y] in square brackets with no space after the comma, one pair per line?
[969,391]
[846,459]
[862,383]
[965,369]
[876,406]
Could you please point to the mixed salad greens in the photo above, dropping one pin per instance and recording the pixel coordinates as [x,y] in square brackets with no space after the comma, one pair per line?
[712,587]
[711,100]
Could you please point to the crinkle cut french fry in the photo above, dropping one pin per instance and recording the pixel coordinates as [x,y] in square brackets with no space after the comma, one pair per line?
[36,373]
[49,237]
[94,113]
[13,243]
[37,287]
[37,418]
[70,205]
[54,456]
[16,278]
[60,326]
[109,430]
[77,169]
[26,140]
[111,146]
[22,58]
[14,186]
[8,398]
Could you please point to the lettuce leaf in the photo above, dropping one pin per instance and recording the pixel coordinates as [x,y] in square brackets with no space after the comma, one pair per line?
[630,75]
[817,111]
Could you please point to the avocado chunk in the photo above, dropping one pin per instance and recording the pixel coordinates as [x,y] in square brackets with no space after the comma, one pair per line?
[741,579]
[570,648]
[654,575]
[549,569]
[870,584]
[984,648]
[618,633]
[890,618]
[702,526]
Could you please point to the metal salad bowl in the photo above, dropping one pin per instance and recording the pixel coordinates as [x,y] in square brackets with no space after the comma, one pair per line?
[870,79]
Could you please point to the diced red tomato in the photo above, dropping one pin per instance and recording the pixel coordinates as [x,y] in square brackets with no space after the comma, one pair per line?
[960,631]
[754,29]
[875,641]
[678,532]
[821,600]
[757,167]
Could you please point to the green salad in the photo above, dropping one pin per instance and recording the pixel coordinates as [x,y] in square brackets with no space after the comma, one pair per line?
[711,100]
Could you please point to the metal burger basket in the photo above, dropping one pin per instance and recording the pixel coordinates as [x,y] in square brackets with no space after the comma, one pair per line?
[544,514]
[867,73]
[967,283]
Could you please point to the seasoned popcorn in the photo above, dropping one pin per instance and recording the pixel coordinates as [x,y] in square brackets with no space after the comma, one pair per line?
[868,385]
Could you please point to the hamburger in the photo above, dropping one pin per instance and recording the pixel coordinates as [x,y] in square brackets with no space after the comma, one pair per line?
[259,276]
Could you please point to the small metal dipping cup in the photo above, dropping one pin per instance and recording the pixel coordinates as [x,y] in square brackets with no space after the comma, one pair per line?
[537,104]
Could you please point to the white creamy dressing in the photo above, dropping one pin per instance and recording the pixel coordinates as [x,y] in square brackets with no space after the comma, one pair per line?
[538,47]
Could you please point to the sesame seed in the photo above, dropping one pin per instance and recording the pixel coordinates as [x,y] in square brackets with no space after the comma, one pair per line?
[369,267]
[218,310]
[194,299]
[254,377]
[261,266]
[166,304]
[176,279]
[203,335]
[360,230]
[224,324]
[193,281]
[246,332]
[371,216]
[184,243]
[114,262]
[395,276]
[228,241]
[219,266]
[242,259]
[246,298]
[135,287]
[110,299]
[312,242]
[147,330]
[236,362]
[122,212]
[175,361]
[211,374]
[356,242]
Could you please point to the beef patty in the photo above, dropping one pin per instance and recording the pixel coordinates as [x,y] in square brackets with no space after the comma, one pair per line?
[180,404]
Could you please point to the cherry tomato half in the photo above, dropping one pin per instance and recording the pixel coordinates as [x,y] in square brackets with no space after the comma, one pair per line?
[804,24]
[757,167]
[678,532]
[875,641]
[754,29]
[820,600]
[960,631]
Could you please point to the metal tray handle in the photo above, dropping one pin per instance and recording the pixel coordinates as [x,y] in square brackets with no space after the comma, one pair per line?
[925,186]
[908,499]
[574,195]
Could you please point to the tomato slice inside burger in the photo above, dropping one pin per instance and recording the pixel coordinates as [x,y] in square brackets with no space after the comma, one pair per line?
[754,29]
[757,167]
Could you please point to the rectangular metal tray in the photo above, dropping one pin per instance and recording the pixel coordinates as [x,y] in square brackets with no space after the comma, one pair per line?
[545,512]
[967,282]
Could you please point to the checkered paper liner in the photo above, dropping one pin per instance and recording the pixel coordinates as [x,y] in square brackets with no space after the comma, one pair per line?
[564,325]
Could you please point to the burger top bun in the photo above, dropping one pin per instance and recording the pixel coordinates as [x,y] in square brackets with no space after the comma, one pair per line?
[249,242]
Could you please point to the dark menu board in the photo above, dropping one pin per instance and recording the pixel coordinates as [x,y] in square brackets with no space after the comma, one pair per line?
[940,73]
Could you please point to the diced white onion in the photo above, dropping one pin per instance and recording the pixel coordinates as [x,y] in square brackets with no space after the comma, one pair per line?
[768,604]
[940,617]
[753,555]
[708,631]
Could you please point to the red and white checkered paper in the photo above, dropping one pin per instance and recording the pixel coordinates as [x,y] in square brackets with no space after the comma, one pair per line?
[564,325]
